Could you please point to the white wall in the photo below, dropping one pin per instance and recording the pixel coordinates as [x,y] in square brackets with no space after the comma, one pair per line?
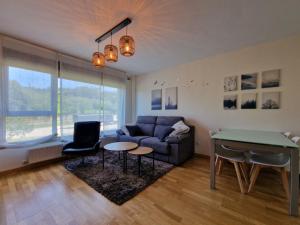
[201,102]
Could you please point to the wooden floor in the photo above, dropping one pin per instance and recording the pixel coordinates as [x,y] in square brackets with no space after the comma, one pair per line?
[51,195]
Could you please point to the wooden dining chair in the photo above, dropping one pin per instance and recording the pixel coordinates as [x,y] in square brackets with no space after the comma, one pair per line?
[237,158]
[277,161]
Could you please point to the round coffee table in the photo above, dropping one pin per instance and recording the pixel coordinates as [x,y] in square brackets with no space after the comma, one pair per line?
[121,147]
[141,151]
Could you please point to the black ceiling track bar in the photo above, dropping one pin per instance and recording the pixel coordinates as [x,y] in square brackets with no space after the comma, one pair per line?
[114,30]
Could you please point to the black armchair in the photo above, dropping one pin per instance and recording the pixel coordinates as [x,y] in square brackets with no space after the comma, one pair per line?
[85,141]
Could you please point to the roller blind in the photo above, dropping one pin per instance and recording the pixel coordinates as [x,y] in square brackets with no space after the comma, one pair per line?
[28,96]
[88,94]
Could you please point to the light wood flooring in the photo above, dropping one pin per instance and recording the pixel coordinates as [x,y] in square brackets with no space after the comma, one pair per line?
[53,196]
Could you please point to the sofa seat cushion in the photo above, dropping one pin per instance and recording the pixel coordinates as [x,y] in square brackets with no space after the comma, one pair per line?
[156,144]
[135,139]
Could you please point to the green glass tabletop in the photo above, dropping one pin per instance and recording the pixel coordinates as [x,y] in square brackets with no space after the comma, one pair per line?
[255,136]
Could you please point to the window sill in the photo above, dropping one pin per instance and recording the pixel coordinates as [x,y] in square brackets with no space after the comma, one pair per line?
[37,146]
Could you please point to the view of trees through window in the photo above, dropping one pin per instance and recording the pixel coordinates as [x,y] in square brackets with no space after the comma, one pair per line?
[31,110]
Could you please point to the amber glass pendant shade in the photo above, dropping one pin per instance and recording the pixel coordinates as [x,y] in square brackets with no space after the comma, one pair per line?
[98,59]
[111,53]
[127,46]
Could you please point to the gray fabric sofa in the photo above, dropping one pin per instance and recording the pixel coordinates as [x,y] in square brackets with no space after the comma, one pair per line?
[175,150]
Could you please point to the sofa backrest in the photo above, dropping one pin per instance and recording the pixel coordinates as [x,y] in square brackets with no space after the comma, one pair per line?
[165,121]
[146,124]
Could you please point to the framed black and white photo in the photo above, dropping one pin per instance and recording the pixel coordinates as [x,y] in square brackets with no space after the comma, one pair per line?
[230,83]
[249,81]
[230,102]
[171,98]
[249,101]
[156,102]
[270,100]
[270,79]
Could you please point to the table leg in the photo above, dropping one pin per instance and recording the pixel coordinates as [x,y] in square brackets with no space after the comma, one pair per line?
[125,161]
[123,153]
[139,165]
[153,161]
[103,159]
[294,169]
[212,165]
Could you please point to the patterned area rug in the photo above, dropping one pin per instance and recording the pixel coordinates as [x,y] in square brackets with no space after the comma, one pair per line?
[112,182]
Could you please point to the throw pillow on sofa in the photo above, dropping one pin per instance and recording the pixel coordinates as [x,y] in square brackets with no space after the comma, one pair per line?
[164,132]
[133,130]
[179,128]
[125,130]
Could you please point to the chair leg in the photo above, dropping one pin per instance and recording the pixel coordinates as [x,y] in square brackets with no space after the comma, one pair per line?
[238,174]
[285,182]
[244,172]
[251,170]
[217,161]
[220,167]
[254,175]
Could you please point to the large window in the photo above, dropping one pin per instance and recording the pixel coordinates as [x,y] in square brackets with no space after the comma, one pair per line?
[113,108]
[29,104]
[79,102]
[42,95]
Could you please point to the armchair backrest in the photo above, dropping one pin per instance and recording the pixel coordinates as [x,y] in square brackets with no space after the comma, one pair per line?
[86,134]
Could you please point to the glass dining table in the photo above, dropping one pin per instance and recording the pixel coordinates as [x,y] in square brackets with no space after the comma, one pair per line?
[260,141]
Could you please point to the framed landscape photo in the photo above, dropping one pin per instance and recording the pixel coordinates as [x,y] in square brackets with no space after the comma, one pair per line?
[270,79]
[270,100]
[249,101]
[230,102]
[231,83]
[249,81]
[156,101]
[171,98]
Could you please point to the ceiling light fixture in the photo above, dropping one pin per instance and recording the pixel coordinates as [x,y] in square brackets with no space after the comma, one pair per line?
[98,59]
[126,45]
[111,52]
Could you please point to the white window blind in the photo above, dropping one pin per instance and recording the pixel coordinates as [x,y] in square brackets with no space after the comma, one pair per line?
[113,101]
[43,94]
[28,96]
[80,94]
[89,94]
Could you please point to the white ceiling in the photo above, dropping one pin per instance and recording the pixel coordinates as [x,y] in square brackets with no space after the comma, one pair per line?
[167,32]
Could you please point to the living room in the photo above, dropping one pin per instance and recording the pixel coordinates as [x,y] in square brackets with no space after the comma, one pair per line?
[149,112]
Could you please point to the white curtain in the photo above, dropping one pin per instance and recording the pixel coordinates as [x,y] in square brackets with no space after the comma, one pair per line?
[43,93]
[114,95]
[87,93]
[28,96]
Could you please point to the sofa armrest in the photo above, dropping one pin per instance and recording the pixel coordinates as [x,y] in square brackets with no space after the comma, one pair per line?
[182,147]
[120,132]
